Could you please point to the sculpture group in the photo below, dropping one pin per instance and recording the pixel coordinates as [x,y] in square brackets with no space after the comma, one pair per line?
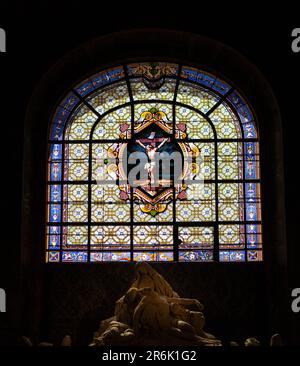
[152,313]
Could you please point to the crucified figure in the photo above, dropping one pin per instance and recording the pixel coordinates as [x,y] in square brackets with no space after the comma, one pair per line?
[151,153]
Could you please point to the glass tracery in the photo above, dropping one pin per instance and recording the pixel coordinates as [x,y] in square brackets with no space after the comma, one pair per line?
[207,208]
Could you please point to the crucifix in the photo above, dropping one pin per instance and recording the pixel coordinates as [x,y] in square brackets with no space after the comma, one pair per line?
[151,151]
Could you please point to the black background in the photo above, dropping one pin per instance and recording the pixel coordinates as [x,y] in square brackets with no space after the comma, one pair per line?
[39,34]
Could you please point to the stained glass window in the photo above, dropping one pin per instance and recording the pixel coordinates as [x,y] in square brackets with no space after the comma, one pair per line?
[196,193]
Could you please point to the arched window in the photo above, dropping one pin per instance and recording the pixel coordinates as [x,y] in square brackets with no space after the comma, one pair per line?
[205,206]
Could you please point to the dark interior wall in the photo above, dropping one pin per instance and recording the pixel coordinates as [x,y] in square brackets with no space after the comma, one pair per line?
[38,36]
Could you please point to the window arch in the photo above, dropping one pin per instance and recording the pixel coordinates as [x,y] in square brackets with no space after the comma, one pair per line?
[95,214]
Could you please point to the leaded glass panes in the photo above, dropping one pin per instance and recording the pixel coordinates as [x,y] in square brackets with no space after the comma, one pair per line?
[205,79]
[230,160]
[196,256]
[74,256]
[196,237]
[81,124]
[153,256]
[76,162]
[232,236]
[75,212]
[204,207]
[152,237]
[53,237]
[199,205]
[230,202]
[141,91]
[225,122]
[192,124]
[152,70]
[113,125]
[76,192]
[109,237]
[196,97]
[110,212]
[163,214]
[106,193]
[99,80]
[146,112]
[251,160]
[109,97]
[74,237]
[110,256]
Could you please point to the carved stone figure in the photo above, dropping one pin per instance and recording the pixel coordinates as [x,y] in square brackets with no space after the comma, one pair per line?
[252,342]
[152,313]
